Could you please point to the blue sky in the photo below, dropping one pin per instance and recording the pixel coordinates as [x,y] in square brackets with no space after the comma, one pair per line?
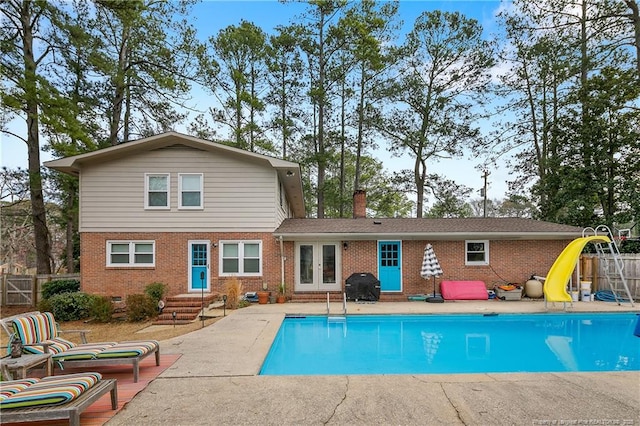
[210,16]
[214,15]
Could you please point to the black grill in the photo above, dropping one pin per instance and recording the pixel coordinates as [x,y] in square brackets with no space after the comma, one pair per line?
[362,286]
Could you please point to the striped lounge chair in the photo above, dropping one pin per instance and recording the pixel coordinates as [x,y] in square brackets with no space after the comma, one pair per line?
[53,397]
[39,334]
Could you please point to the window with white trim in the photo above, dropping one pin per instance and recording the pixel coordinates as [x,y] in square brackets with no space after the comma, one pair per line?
[476,252]
[156,194]
[190,191]
[131,253]
[241,258]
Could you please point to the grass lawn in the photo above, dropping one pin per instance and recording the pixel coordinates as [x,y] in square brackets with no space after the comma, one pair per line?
[113,331]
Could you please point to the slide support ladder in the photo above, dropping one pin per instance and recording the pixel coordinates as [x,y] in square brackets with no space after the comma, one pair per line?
[612,265]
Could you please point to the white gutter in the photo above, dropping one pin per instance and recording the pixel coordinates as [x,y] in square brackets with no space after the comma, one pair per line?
[447,236]
[282,259]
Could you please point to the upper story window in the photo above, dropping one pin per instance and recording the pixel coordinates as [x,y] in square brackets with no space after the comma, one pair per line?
[131,253]
[156,191]
[242,258]
[476,252]
[190,191]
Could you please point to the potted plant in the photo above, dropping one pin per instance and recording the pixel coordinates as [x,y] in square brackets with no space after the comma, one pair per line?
[263,296]
[281,293]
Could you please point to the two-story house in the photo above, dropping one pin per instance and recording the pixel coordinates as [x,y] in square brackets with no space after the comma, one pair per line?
[191,214]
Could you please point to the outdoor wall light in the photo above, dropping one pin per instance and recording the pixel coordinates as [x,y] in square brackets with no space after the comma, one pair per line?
[345,245]
[290,173]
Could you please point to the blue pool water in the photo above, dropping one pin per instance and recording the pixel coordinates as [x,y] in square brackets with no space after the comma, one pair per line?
[435,344]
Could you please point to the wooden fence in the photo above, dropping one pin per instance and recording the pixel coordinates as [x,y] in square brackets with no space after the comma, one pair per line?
[631,269]
[26,290]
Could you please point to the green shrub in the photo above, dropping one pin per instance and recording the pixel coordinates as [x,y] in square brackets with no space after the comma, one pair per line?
[71,306]
[102,308]
[140,307]
[44,305]
[155,291]
[630,246]
[51,288]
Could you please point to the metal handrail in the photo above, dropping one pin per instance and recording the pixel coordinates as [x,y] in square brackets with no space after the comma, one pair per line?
[344,304]
[328,304]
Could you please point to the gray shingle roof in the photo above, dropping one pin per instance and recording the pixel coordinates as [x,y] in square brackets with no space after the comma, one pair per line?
[419,229]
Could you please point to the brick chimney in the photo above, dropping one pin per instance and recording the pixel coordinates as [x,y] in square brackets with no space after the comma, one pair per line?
[359,203]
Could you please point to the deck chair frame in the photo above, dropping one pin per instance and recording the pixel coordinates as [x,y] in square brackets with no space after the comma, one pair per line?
[6,324]
[71,410]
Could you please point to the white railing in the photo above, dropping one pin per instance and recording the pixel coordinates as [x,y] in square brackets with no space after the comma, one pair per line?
[344,306]
[328,309]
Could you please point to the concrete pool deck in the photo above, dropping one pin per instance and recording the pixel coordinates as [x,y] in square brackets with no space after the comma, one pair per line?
[215,381]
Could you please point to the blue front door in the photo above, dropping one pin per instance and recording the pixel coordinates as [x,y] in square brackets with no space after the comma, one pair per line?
[198,265]
[389,262]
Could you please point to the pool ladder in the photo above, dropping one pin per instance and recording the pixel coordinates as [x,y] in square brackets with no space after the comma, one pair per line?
[342,315]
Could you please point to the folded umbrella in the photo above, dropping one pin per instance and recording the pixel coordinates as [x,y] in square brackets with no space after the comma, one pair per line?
[431,268]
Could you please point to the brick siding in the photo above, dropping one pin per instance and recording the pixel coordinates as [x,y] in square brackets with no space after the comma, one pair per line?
[171,263]
[510,261]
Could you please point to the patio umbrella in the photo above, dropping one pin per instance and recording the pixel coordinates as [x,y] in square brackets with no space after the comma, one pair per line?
[431,268]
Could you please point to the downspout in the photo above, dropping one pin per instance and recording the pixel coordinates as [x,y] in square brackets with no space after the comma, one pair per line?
[282,259]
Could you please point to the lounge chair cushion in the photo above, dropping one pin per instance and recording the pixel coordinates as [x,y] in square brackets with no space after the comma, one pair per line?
[129,349]
[464,290]
[56,345]
[86,351]
[53,390]
[35,328]
[9,388]
[64,349]
[68,354]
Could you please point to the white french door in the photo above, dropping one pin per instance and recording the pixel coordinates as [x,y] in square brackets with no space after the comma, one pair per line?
[318,267]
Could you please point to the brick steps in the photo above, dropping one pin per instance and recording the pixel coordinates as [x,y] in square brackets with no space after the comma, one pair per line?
[171,322]
[187,309]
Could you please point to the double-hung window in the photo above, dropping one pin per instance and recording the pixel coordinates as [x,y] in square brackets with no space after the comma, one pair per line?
[156,191]
[131,253]
[190,191]
[242,258]
[476,252]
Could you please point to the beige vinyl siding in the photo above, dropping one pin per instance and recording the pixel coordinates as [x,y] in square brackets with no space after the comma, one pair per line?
[238,195]
[281,214]
[282,211]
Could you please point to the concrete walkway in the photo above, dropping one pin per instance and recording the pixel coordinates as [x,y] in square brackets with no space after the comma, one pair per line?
[215,381]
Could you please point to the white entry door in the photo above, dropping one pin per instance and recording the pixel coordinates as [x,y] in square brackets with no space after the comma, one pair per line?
[318,267]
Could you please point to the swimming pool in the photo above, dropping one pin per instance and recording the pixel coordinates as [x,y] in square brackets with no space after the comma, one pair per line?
[437,344]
